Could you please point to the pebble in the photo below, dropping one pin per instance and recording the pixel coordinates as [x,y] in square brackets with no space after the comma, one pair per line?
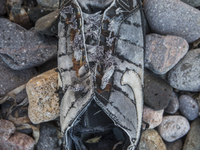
[188,107]
[51,23]
[2,7]
[11,79]
[173,127]
[48,137]
[194,3]
[18,141]
[18,15]
[35,13]
[157,92]
[173,17]
[48,3]
[193,137]
[22,49]
[151,140]
[43,97]
[173,105]
[152,117]
[185,75]
[6,129]
[162,53]
[176,145]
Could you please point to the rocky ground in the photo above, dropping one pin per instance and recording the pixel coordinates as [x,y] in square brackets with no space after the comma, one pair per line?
[29,100]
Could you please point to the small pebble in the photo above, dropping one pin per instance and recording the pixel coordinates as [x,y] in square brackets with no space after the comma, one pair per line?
[173,105]
[194,3]
[6,129]
[18,141]
[48,3]
[51,23]
[43,97]
[173,17]
[152,117]
[173,128]
[157,92]
[163,52]
[151,140]
[48,137]
[188,107]
[193,137]
[176,145]
[186,74]
[22,49]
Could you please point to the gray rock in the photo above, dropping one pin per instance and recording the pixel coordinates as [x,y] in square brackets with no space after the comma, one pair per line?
[151,140]
[48,137]
[11,79]
[48,3]
[176,145]
[21,49]
[173,128]
[194,3]
[173,17]
[163,52]
[188,107]
[2,7]
[185,75]
[6,129]
[157,92]
[192,139]
[51,23]
[36,13]
[173,105]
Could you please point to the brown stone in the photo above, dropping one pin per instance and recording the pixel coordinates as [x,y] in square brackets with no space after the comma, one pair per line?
[163,52]
[6,129]
[43,97]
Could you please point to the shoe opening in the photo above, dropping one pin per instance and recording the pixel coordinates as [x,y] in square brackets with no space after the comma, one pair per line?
[94,130]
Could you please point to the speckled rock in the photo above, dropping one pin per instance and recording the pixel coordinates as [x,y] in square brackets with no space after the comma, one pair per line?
[2,7]
[152,117]
[192,139]
[176,145]
[151,140]
[48,137]
[194,3]
[157,92]
[163,52]
[173,127]
[18,141]
[21,49]
[188,107]
[35,13]
[173,17]
[6,129]
[48,3]
[18,15]
[43,97]
[51,23]
[173,105]
[185,75]
[11,79]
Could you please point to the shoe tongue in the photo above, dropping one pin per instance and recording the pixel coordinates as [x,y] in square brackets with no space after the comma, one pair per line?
[93,6]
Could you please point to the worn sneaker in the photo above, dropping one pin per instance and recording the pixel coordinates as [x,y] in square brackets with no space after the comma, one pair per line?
[100,63]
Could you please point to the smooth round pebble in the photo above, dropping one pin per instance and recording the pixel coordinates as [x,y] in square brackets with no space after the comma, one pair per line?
[176,145]
[173,105]
[162,53]
[6,129]
[173,17]
[188,107]
[192,140]
[152,117]
[173,128]
[151,140]
[185,75]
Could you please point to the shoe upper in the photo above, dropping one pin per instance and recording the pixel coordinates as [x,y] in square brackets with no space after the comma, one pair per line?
[100,58]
